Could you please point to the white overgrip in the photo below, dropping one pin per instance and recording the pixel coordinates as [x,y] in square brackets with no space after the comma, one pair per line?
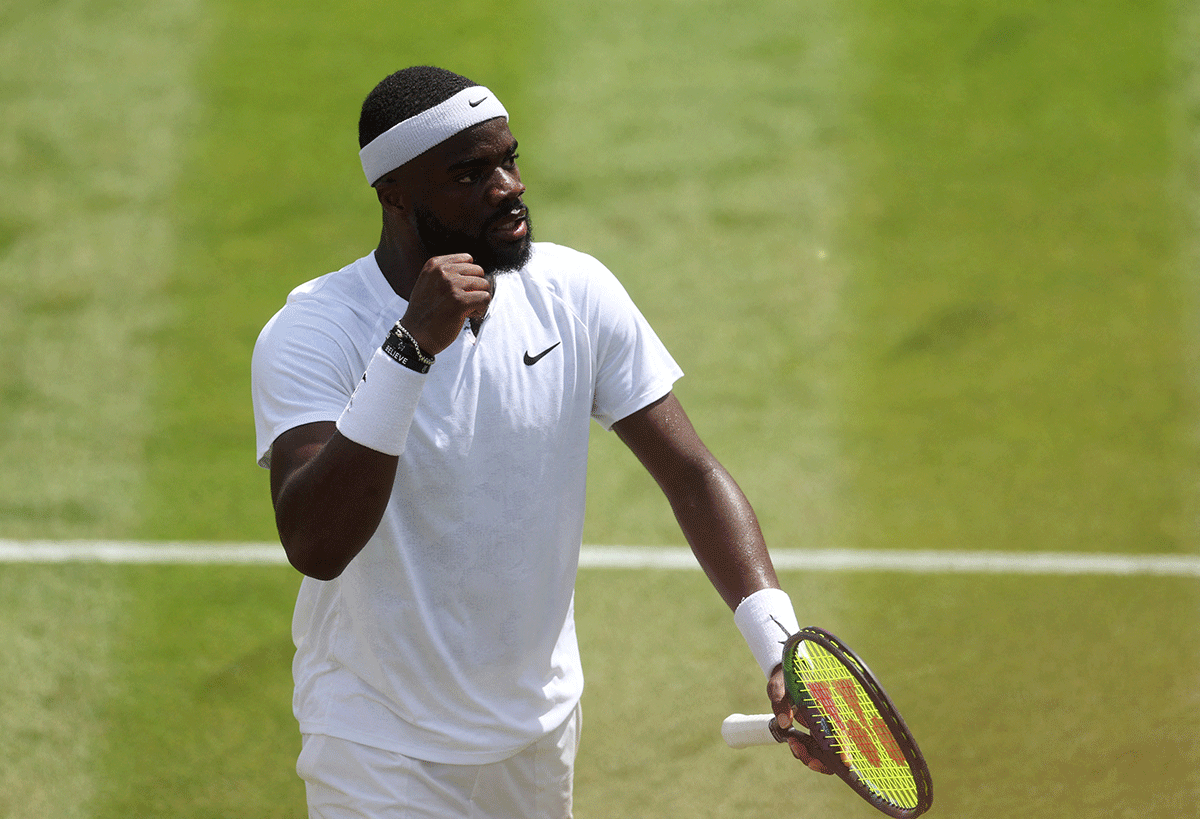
[746,730]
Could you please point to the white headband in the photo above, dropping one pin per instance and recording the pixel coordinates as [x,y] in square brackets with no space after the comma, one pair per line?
[414,136]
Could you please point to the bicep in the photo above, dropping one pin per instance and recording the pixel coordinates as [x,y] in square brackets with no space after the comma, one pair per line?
[662,437]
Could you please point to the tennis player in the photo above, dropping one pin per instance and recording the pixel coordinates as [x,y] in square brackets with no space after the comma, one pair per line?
[424,413]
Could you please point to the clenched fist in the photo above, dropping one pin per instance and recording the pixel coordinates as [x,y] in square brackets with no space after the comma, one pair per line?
[448,291]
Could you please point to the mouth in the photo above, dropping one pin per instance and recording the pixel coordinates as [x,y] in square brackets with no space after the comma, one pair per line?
[511,225]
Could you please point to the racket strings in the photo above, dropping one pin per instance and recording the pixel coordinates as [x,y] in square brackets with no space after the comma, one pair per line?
[858,732]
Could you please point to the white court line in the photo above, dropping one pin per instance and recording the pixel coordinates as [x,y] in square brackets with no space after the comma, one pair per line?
[644,557]
[121,551]
[929,562]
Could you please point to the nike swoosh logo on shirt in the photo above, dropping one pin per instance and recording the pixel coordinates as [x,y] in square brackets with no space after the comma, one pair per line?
[530,360]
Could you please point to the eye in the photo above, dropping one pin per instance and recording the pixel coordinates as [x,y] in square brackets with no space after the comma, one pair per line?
[477,172]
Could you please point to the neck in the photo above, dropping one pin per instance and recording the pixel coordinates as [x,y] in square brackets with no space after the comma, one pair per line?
[399,263]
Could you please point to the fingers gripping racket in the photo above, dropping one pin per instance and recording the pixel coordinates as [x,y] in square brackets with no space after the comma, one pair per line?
[858,732]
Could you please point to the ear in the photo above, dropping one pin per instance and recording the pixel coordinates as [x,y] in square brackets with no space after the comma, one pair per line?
[391,195]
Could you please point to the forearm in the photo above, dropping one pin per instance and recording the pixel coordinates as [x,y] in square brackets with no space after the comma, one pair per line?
[720,526]
[717,521]
[335,480]
[713,513]
[327,509]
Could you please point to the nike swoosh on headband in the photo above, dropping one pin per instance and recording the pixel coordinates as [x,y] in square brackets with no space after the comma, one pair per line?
[414,136]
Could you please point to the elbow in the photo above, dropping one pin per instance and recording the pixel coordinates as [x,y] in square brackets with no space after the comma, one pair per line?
[317,571]
[314,557]
[315,568]
[321,538]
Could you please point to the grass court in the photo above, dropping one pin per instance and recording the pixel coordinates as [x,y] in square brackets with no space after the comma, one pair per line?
[930,268]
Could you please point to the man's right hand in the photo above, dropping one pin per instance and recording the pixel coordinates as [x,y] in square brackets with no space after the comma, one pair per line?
[803,747]
[448,291]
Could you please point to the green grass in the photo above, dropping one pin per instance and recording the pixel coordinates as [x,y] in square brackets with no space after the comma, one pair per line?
[1024,365]
[201,724]
[96,102]
[929,267]
[710,177]
[1024,707]
[59,628]
[1028,704]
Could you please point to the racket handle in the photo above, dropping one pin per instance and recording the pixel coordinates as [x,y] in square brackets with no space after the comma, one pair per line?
[745,730]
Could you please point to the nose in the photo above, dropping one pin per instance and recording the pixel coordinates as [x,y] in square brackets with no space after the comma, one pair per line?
[506,185]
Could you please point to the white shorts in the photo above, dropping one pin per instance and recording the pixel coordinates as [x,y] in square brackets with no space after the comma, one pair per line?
[345,780]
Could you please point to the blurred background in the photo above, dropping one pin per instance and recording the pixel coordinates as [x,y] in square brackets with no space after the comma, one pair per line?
[930,268]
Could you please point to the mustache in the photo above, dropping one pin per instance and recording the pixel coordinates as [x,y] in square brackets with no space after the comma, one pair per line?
[514,210]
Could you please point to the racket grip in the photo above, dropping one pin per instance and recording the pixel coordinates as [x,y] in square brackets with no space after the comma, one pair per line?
[746,730]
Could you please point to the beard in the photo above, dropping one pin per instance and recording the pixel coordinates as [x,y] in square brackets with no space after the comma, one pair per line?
[493,256]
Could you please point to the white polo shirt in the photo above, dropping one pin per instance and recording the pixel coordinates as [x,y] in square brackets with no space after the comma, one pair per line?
[451,637]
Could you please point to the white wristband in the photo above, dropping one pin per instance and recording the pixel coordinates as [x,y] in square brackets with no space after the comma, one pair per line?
[381,409]
[766,619]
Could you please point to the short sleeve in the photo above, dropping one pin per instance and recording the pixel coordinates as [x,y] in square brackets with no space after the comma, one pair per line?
[303,370]
[633,367]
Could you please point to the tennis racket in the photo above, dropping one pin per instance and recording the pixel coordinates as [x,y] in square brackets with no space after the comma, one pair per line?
[858,732]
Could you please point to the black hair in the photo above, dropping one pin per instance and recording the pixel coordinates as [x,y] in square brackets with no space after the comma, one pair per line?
[405,94]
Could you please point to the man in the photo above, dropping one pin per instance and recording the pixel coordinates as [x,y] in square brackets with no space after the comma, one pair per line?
[428,477]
